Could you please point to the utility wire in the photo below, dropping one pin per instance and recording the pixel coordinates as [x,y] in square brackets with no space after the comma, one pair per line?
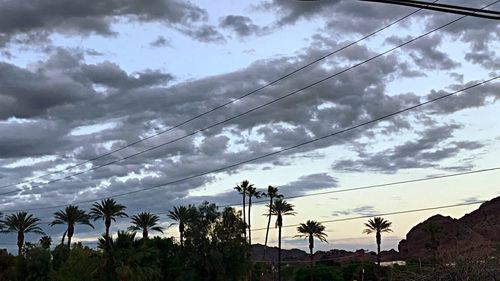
[480,13]
[387,214]
[31,180]
[285,149]
[313,140]
[341,190]
[378,215]
[373,186]
[245,112]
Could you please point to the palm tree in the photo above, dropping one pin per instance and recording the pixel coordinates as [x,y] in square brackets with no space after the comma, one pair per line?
[181,215]
[272,193]
[251,192]
[145,222]
[21,222]
[45,242]
[279,209]
[312,229]
[108,210]
[242,189]
[71,216]
[377,225]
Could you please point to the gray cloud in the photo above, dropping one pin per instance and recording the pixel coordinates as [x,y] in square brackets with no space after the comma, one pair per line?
[20,20]
[241,25]
[432,146]
[160,42]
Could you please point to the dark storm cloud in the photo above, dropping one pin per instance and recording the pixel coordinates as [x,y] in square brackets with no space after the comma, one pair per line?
[432,146]
[20,20]
[241,25]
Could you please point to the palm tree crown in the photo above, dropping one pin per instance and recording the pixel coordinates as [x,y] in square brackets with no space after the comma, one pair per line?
[181,215]
[71,216]
[377,225]
[21,222]
[281,208]
[145,222]
[107,210]
[312,229]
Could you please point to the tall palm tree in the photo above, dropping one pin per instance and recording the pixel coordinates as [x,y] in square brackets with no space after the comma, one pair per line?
[71,216]
[22,223]
[312,229]
[107,210]
[181,215]
[145,222]
[279,209]
[272,193]
[242,189]
[251,192]
[377,225]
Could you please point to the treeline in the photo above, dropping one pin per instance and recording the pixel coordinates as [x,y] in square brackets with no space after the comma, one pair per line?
[213,248]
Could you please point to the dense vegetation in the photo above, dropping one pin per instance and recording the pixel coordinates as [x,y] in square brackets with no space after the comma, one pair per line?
[213,245]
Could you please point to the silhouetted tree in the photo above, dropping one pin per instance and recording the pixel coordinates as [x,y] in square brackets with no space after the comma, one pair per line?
[107,210]
[145,222]
[242,189]
[251,192]
[309,230]
[45,242]
[21,223]
[272,193]
[377,225]
[181,215]
[71,216]
[279,209]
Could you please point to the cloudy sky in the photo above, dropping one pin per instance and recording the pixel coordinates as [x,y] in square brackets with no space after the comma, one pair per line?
[78,81]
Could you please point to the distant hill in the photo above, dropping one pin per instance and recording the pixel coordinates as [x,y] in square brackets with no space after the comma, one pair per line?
[477,233]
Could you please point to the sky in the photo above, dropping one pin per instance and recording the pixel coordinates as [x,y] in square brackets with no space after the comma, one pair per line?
[78,81]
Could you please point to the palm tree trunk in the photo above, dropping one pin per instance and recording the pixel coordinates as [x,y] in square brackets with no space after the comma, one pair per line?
[268,225]
[71,230]
[378,247]
[244,211]
[107,223]
[64,237]
[311,255]
[145,233]
[279,253]
[249,229]
[181,233]
[20,242]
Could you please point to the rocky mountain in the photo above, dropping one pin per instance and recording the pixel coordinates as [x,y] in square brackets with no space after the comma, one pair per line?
[475,234]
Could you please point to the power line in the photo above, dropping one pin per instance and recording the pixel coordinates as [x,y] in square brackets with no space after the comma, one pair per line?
[454,9]
[373,186]
[248,111]
[31,180]
[278,151]
[313,140]
[285,149]
[387,214]
[379,214]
